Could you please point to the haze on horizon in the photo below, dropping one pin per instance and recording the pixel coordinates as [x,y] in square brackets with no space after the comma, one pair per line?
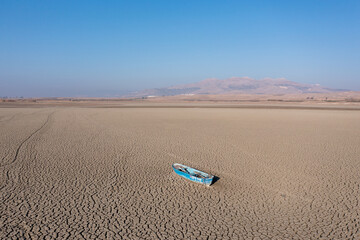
[105,48]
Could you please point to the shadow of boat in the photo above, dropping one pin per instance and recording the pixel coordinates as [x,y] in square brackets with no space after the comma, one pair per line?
[215,179]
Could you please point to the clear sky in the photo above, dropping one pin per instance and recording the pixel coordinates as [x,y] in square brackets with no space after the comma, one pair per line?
[103,48]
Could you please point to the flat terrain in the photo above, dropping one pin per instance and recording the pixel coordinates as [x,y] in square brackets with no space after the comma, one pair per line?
[71,172]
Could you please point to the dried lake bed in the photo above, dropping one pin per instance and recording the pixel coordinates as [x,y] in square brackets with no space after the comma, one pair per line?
[97,173]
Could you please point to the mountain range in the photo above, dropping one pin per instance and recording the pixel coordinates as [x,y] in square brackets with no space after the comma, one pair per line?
[238,85]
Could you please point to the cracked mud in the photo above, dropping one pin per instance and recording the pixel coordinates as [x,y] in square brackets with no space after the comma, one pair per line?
[77,173]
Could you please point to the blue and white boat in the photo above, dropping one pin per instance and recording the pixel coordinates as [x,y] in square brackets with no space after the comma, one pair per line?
[193,174]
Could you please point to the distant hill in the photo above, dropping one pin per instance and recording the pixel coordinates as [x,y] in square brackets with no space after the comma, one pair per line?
[238,85]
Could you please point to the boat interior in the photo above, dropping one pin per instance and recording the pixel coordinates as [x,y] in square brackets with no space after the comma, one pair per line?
[191,171]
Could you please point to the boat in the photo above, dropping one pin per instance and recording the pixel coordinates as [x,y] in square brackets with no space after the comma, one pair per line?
[193,174]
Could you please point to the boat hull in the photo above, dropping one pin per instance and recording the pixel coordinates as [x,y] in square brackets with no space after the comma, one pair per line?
[191,173]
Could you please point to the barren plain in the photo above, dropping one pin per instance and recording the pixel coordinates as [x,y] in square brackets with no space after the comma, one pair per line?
[105,173]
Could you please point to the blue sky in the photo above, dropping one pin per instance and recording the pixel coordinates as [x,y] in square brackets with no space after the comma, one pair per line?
[104,48]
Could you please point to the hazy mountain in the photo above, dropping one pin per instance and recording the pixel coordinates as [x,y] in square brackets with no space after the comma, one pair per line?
[238,85]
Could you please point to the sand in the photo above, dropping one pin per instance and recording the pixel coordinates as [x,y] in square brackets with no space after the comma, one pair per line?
[86,173]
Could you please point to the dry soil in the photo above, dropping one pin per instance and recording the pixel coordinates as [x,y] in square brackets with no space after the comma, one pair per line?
[68,172]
